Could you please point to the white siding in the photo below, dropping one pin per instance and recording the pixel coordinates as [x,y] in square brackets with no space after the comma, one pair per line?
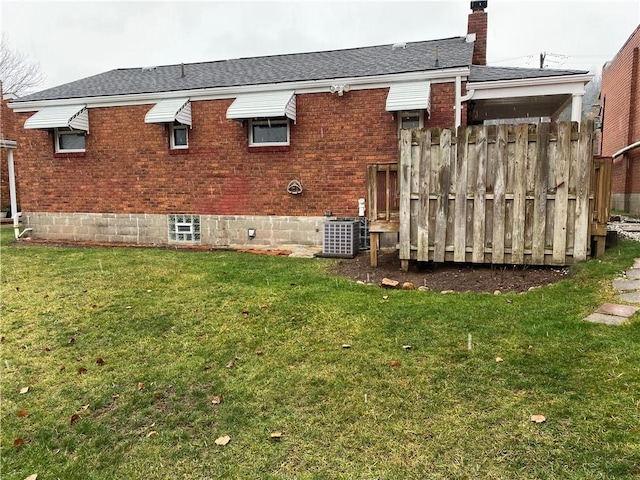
[170,110]
[263,105]
[73,116]
[409,96]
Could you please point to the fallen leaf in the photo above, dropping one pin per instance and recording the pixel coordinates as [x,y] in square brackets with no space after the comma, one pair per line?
[245,313]
[264,306]
[385,297]
[140,385]
[407,347]
[22,413]
[85,407]
[538,418]
[2,339]
[32,477]
[499,359]
[346,345]
[230,364]
[24,390]
[156,395]
[17,442]
[100,361]
[395,363]
[223,440]
[74,418]
[71,340]
[152,433]
[115,395]
[82,370]
[276,435]
[217,400]
[62,367]
[128,307]
[47,349]
[258,352]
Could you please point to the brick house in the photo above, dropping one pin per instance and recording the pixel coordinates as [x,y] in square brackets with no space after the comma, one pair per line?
[620,101]
[202,153]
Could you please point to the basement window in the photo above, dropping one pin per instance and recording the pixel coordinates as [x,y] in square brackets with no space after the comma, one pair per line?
[268,132]
[69,140]
[184,228]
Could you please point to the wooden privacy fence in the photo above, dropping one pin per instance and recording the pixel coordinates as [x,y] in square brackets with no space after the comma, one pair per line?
[502,194]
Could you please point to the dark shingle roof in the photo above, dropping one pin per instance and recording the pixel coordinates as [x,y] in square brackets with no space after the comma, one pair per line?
[355,62]
[489,74]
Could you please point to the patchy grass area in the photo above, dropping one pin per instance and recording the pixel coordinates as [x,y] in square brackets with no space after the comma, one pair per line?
[123,351]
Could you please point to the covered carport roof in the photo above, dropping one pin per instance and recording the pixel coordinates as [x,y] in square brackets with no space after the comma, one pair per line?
[502,92]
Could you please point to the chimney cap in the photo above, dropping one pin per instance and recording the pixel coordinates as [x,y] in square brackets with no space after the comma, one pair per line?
[478,5]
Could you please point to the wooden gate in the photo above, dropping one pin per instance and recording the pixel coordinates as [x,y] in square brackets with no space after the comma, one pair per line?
[505,194]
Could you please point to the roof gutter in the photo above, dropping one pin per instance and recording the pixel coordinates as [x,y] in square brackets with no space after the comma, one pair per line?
[626,149]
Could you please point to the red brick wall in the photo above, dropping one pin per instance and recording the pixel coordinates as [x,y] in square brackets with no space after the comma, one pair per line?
[7,132]
[128,168]
[621,100]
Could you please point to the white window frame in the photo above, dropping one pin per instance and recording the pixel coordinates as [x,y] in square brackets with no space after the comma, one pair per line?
[404,112]
[172,139]
[269,121]
[58,132]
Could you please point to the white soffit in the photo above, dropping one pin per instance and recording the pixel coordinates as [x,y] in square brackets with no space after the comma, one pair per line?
[409,96]
[170,110]
[263,105]
[71,116]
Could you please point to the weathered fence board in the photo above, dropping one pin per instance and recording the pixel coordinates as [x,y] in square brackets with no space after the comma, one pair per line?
[501,194]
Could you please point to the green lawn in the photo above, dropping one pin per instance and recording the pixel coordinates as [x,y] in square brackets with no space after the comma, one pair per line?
[167,324]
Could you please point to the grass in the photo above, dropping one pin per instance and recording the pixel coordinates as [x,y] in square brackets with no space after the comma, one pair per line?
[167,324]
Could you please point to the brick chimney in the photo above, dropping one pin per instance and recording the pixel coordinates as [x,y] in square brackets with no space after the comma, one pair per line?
[478,25]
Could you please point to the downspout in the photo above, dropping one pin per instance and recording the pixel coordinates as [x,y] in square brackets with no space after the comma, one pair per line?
[458,107]
[460,99]
[15,214]
[625,149]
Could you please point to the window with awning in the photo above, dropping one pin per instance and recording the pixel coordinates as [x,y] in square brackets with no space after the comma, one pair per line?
[70,124]
[409,96]
[268,114]
[176,112]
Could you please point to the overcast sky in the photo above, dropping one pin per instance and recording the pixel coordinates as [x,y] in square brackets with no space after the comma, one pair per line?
[73,40]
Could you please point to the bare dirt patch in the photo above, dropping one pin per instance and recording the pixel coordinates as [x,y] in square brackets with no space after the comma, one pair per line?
[450,276]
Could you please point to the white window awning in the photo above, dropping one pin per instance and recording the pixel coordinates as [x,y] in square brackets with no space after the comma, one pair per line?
[68,116]
[409,96]
[263,105]
[170,110]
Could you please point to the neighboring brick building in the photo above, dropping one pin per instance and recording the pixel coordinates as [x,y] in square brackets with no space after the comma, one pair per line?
[620,99]
[200,153]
